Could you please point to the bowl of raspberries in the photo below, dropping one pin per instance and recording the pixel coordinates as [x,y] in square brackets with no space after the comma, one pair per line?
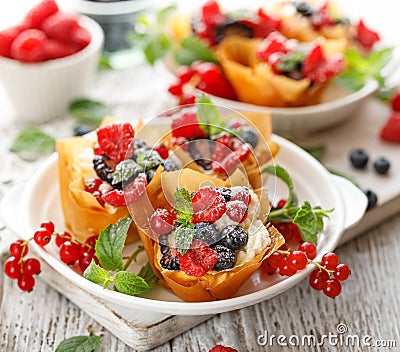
[47,60]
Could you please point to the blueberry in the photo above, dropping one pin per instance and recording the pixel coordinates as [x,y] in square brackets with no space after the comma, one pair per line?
[206,232]
[226,258]
[382,166]
[249,135]
[80,130]
[234,237]
[139,143]
[359,158]
[372,198]
[304,9]
[170,165]
[225,192]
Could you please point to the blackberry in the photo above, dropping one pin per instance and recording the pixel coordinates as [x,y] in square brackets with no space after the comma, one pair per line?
[382,166]
[234,237]
[248,135]
[200,154]
[104,172]
[80,130]
[169,262]
[170,165]
[235,28]
[206,232]
[150,174]
[164,249]
[372,198]
[225,192]
[163,239]
[359,158]
[226,258]
[304,9]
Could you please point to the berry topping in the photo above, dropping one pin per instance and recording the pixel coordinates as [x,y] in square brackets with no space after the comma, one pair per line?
[318,278]
[236,210]
[241,193]
[382,166]
[7,36]
[168,261]
[42,237]
[170,165]
[115,140]
[330,261]
[116,198]
[359,158]
[92,184]
[56,49]
[225,192]
[211,13]
[29,46]
[198,260]
[208,209]
[162,221]
[186,125]
[136,188]
[102,170]
[342,272]
[60,25]
[273,44]
[365,36]
[304,8]
[202,198]
[234,237]
[332,288]
[372,198]
[249,135]
[226,258]
[162,150]
[206,232]
[391,130]
[232,160]
[321,17]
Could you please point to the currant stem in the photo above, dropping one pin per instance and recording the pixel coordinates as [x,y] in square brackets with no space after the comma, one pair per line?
[133,257]
[24,245]
[74,240]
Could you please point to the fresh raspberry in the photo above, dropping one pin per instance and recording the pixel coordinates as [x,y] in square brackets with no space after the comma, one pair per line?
[115,140]
[236,210]
[223,146]
[322,17]
[365,36]
[93,184]
[7,36]
[187,99]
[220,348]
[241,193]
[136,188]
[116,198]
[263,24]
[202,199]
[81,37]
[56,49]
[29,46]
[395,102]
[211,14]
[162,150]
[391,130]
[40,12]
[185,74]
[274,43]
[232,160]
[176,89]
[198,260]
[213,212]
[162,221]
[186,125]
[60,26]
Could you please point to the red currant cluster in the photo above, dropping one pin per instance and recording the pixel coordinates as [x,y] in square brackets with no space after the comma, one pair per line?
[72,252]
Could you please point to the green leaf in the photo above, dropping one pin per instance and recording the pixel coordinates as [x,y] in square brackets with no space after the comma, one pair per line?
[308,224]
[386,94]
[80,344]
[291,61]
[89,111]
[155,47]
[104,63]
[126,170]
[164,14]
[193,49]
[147,273]
[351,80]
[32,143]
[97,274]
[282,174]
[110,244]
[183,237]
[377,60]
[129,283]
[316,151]
[149,159]
[183,205]
[209,117]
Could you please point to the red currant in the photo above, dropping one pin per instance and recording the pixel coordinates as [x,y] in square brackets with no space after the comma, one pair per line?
[318,278]
[92,184]
[70,252]
[85,259]
[297,260]
[62,237]
[275,259]
[342,272]
[332,288]
[309,249]
[18,249]
[48,225]
[26,282]
[285,269]
[330,261]
[395,102]
[12,268]
[42,237]
[91,241]
[31,266]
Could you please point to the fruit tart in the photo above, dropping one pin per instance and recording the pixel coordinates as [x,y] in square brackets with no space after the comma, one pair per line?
[99,173]
[204,237]
[218,144]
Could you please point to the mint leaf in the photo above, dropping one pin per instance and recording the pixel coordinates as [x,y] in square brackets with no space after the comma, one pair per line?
[183,237]
[110,244]
[282,174]
[31,143]
[89,111]
[80,344]
[149,159]
[351,80]
[183,205]
[126,170]
[155,47]
[147,273]
[194,49]
[317,152]
[209,117]
[97,274]
[129,283]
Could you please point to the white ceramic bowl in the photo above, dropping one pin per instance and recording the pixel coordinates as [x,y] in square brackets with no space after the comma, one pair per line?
[42,91]
[26,207]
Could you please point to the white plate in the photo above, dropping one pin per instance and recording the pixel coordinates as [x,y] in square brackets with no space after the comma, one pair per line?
[24,208]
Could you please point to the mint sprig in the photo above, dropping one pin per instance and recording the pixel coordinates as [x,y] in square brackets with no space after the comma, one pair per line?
[209,117]
[308,219]
[89,111]
[183,206]
[80,344]
[129,283]
[183,237]
[149,159]
[194,49]
[126,170]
